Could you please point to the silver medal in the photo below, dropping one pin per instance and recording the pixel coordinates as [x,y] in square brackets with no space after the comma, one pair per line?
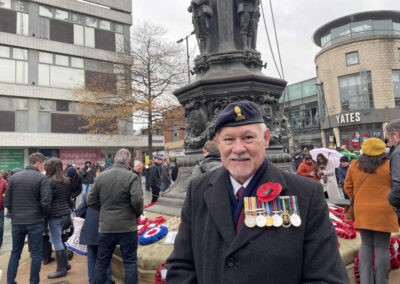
[250,221]
[261,221]
[295,220]
[278,221]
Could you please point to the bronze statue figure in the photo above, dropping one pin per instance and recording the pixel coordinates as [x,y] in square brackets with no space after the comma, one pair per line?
[249,15]
[201,14]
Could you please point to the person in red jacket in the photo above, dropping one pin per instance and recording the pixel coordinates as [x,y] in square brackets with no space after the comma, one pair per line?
[3,188]
[307,168]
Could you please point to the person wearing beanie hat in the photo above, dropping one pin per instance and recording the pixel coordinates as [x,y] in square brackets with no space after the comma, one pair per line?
[342,172]
[367,184]
[213,219]
[307,168]
[71,172]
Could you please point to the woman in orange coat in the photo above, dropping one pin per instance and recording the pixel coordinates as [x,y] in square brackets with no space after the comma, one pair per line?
[367,184]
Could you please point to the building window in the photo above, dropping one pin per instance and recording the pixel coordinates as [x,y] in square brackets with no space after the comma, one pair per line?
[61,77]
[61,15]
[46,105]
[398,53]
[22,24]
[14,71]
[356,91]
[396,87]
[62,106]
[352,58]
[4,103]
[5,4]
[19,104]
[45,12]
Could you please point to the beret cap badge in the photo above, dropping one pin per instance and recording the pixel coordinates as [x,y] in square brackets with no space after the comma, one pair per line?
[239,115]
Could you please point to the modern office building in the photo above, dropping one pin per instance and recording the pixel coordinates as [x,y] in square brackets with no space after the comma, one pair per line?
[48,51]
[302,113]
[358,76]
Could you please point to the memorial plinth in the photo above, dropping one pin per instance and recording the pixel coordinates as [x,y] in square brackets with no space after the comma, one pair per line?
[151,256]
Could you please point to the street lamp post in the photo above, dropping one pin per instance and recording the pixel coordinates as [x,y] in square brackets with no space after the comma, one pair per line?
[187,53]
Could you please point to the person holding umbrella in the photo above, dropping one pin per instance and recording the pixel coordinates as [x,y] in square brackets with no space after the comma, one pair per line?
[326,172]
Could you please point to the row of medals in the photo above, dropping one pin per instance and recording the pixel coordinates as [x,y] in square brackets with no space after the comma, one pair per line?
[279,218]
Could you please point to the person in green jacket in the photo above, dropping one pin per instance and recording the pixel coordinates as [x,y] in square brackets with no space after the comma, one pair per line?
[118,196]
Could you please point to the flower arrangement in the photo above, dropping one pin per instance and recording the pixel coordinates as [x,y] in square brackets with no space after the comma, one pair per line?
[153,235]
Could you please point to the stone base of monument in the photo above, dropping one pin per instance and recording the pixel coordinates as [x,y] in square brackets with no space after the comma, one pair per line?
[151,256]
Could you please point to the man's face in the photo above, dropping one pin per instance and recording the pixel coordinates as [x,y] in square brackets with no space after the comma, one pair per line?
[40,166]
[309,161]
[242,149]
[157,161]
[393,139]
[87,165]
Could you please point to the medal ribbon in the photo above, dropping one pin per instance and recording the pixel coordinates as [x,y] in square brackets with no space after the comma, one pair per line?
[253,205]
[270,207]
[246,205]
[296,205]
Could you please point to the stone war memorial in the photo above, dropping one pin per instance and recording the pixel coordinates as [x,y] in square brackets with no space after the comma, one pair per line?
[227,69]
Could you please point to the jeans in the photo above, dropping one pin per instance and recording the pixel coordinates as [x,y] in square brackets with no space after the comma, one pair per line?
[85,190]
[128,247]
[55,229]
[1,226]
[379,241]
[19,232]
[91,260]
[147,183]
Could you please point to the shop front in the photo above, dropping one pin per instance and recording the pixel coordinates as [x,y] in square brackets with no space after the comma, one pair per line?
[11,159]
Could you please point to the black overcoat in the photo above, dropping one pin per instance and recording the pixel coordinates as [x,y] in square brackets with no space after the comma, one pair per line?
[207,250]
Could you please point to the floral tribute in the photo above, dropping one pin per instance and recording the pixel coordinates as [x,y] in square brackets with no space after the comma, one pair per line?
[153,235]
[268,191]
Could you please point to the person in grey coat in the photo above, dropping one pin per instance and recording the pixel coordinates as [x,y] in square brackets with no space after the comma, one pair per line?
[213,244]
[392,133]
[212,159]
[117,194]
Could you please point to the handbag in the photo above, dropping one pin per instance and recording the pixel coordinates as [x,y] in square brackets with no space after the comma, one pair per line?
[350,209]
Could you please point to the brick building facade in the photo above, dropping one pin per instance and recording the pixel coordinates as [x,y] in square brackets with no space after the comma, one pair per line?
[358,76]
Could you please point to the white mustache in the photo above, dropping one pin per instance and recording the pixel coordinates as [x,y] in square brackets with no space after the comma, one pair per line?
[235,156]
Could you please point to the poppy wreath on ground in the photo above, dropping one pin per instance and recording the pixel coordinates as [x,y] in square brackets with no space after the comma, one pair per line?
[344,231]
[158,220]
[158,277]
[268,191]
[337,213]
[145,223]
[153,235]
[394,258]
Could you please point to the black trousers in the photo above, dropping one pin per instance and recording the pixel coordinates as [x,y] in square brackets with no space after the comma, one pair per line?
[155,192]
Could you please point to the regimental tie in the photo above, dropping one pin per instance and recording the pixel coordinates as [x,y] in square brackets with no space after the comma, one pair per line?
[241,217]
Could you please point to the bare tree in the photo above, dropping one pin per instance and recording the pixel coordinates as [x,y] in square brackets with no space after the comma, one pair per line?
[140,90]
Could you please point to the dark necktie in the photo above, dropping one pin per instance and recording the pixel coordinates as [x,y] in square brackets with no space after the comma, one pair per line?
[241,217]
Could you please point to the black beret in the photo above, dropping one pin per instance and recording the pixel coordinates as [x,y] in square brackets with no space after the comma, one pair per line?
[239,113]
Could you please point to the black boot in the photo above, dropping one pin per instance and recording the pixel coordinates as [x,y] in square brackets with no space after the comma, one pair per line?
[47,250]
[68,253]
[61,265]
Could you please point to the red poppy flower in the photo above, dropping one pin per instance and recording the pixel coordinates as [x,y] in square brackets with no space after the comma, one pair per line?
[268,191]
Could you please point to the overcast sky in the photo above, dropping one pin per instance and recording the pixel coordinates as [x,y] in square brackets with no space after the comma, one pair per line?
[295,20]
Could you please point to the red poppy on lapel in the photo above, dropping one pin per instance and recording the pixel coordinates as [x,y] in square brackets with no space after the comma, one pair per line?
[268,191]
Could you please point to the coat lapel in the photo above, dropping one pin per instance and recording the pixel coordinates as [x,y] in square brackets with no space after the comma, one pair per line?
[218,203]
[245,234]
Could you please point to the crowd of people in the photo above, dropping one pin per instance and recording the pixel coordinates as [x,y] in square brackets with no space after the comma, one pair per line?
[41,199]
[372,183]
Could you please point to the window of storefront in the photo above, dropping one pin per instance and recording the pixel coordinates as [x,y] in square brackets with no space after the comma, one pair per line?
[304,116]
[352,58]
[396,86]
[353,136]
[356,91]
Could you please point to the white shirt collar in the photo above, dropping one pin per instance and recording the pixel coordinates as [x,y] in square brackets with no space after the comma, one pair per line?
[236,185]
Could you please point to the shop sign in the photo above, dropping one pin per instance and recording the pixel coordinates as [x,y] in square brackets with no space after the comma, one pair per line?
[11,159]
[350,117]
[78,157]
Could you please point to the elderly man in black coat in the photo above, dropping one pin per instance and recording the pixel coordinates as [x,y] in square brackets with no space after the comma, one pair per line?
[214,245]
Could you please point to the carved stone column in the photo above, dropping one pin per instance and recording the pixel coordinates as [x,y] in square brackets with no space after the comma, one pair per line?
[228,72]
